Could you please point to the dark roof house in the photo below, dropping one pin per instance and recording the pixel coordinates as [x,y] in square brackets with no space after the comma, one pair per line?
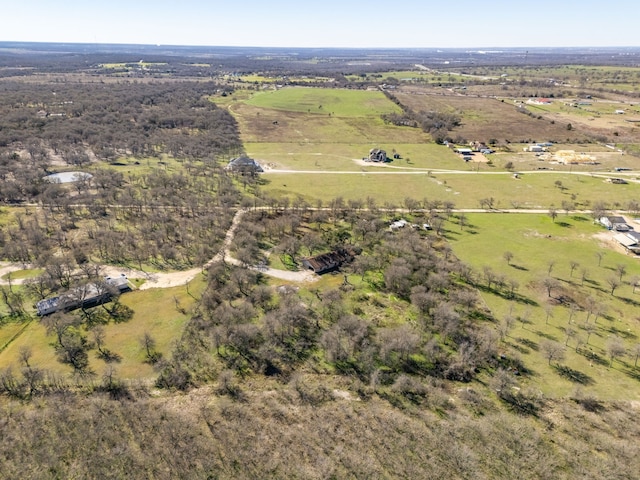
[244,164]
[377,155]
[330,261]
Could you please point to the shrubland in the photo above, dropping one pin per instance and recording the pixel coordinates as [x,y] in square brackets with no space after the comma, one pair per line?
[485,346]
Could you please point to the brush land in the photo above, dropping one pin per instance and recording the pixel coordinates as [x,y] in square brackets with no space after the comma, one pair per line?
[480,322]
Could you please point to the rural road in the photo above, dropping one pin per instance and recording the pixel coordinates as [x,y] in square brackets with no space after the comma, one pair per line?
[176,279]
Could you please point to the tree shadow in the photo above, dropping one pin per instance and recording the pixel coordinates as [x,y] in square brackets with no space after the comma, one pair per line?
[594,357]
[564,224]
[520,267]
[634,373]
[573,375]
[579,218]
[630,301]
[546,335]
[528,343]
[626,334]
[109,357]
[519,348]
[507,295]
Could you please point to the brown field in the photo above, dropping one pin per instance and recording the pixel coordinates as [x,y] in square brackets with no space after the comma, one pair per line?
[487,118]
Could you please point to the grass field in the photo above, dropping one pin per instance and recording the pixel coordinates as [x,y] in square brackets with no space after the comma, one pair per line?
[340,157]
[487,118]
[23,274]
[531,190]
[534,241]
[258,124]
[156,312]
[342,103]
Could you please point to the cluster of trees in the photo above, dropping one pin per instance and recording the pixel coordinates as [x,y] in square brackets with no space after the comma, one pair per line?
[256,330]
[76,121]
[437,124]
[167,219]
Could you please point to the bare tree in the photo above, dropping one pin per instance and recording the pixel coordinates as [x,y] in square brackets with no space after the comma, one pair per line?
[613,282]
[550,265]
[584,275]
[148,343]
[550,284]
[25,353]
[462,220]
[573,308]
[615,349]
[589,328]
[548,310]
[621,269]
[635,351]
[573,265]
[508,256]
[552,351]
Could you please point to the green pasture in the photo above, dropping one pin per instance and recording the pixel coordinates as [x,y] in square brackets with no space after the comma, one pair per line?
[9,330]
[342,103]
[535,240]
[341,157]
[23,274]
[465,190]
[156,312]
[281,126]
[595,109]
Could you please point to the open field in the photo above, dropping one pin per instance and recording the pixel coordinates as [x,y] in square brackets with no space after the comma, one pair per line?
[484,119]
[258,124]
[155,313]
[531,190]
[338,102]
[346,157]
[535,241]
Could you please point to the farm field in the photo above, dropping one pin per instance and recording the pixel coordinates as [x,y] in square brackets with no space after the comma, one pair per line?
[260,124]
[282,136]
[338,102]
[535,241]
[531,190]
[484,119]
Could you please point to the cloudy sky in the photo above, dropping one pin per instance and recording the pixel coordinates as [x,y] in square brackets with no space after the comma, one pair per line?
[328,23]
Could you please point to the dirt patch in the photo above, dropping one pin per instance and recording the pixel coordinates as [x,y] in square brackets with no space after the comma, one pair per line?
[606,240]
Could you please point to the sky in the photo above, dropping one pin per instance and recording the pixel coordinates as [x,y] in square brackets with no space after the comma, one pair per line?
[326,23]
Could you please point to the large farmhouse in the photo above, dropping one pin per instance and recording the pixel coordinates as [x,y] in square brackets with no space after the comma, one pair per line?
[244,165]
[88,295]
[377,155]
